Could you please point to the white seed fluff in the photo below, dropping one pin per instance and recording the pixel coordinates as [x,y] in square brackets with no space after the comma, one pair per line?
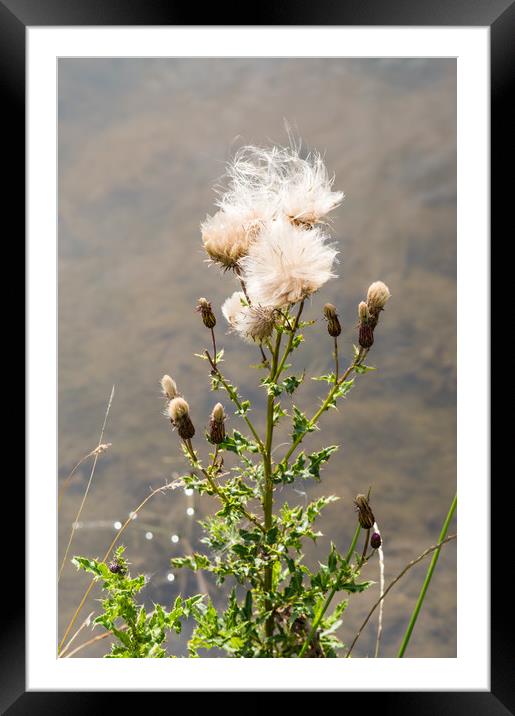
[377,296]
[306,194]
[253,323]
[287,264]
[233,306]
[168,387]
[278,181]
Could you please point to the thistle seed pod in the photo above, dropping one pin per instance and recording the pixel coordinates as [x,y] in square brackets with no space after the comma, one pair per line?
[228,236]
[208,317]
[168,387]
[256,323]
[377,296]
[366,335]
[217,424]
[365,515]
[375,540]
[179,413]
[333,324]
[367,324]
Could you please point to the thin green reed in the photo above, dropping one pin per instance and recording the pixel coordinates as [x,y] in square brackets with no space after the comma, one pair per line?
[427,581]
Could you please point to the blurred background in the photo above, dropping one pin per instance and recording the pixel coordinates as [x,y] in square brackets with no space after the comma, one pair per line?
[141,144]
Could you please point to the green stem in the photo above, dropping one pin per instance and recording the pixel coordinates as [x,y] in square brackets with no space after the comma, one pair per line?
[352,547]
[268,493]
[290,342]
[364,553]
[427,580]
[330,596]
[214,347]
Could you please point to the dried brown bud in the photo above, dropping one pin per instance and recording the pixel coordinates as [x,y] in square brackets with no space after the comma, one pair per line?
[365,515]
[333,324]
[377,296]
[367,324]
[179,412]
[366,335]
[185,428]
[168,387]
[208,317]
[217,424]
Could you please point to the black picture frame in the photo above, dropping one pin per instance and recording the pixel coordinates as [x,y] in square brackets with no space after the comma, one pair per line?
[499,15]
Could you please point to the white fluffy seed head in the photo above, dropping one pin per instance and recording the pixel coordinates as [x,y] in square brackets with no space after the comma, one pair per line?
[269,182]
[251,182]
[256,323]
[377,296]
[168,387]
[228,235]
[253,323]
[287,264]
[306,191]
[178,408]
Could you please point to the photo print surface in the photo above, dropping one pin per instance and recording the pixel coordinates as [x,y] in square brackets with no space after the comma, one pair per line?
[354,183]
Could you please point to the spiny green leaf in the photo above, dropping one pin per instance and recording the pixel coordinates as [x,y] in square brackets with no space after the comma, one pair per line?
[244,408]
[329,378]
[238,444]
[291,383]
[301,424]
[363,368]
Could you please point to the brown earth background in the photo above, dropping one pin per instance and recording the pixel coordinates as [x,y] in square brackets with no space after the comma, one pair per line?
[141,143]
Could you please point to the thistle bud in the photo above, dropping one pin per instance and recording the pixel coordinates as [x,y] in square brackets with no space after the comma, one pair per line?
[366,326]
[116,568]
[208,317]
[179,413]
[365,515]
[363,312]
[375,540]
[377,296]
[217,424]
[333,324]
[365,335]
[168,387]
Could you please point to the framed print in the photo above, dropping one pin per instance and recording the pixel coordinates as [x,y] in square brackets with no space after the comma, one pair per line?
[258,336]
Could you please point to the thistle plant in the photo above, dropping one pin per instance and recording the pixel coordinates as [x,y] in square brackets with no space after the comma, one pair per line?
[271,237]
[271,234]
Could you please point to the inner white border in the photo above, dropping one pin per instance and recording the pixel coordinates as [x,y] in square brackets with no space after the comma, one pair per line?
[470,670]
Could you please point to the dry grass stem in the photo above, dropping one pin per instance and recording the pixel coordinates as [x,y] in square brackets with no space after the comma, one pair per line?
[96,452]
[85,623]
[393,583]
[130,519]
